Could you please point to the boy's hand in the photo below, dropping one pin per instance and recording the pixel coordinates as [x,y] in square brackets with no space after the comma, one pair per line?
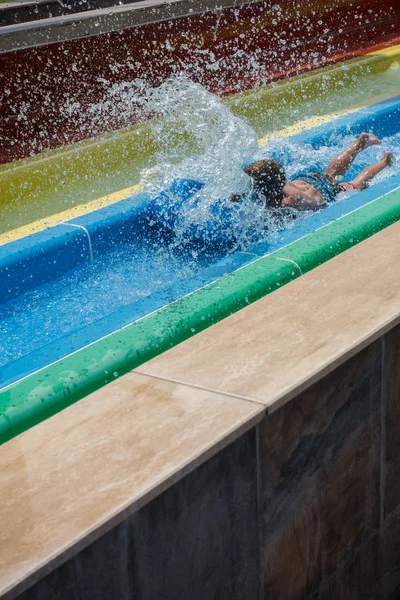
[389,159]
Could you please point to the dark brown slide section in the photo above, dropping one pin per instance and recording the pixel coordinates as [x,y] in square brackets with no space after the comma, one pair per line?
[48,91]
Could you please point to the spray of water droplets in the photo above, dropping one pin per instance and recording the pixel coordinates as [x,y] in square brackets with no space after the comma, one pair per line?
[223,144]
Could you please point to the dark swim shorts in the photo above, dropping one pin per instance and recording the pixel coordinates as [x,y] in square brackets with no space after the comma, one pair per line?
[324,184]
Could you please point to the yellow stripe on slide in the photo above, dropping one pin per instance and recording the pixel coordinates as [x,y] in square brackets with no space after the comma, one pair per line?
[321,120]
[67,215]
[393,51]
[390,51]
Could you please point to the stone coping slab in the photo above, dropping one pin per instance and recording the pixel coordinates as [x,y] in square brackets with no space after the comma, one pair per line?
[72,478]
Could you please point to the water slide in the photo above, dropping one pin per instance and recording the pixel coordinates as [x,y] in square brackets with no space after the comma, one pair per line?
[117,247]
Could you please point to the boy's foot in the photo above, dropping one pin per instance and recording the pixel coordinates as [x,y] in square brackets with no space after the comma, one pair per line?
[388,158]
[368,139]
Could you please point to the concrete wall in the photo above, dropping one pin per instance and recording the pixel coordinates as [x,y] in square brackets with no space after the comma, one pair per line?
[304,506]
[198,540]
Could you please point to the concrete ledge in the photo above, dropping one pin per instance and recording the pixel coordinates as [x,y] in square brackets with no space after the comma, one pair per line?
[72,479]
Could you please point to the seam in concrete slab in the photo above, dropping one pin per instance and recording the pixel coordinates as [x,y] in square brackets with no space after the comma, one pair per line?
[287,394]
[203,388]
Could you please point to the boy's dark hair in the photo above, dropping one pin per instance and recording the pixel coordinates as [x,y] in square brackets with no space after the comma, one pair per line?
[269,177]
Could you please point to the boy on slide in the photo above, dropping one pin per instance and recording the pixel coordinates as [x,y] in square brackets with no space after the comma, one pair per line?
[314,190]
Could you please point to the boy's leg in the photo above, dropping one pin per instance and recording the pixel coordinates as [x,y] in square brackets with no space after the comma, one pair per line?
[360,182]
[340,164]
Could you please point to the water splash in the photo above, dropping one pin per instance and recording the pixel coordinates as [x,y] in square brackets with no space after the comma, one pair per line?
[183,115]
[223,143]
